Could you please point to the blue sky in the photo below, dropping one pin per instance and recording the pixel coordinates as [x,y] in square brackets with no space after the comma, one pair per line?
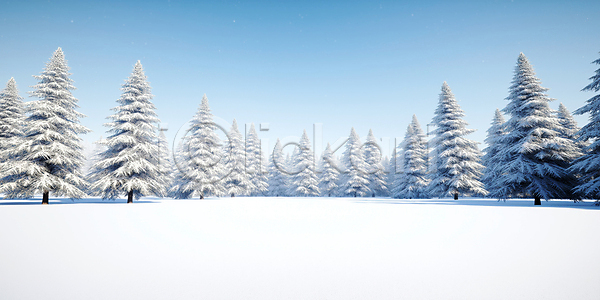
[367,64]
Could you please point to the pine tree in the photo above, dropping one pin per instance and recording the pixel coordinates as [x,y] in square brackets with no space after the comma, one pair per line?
[254,163]
[492,160]
[52,149]
[535,155]
[129,165]
[164,160]
[394,172]
[568,129]
[305,181]
[11,135]
[353,181]
[588,165]
[180,169]
[375,169]
[237,180]
[413,182]
[200,170]
[329,175]
[277,177]
[456,162]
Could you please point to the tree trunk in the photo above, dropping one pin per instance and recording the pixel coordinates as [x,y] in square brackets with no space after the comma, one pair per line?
[201,196]
[46,197]
[537,200]
[232,195]
[130,197]
[455,196]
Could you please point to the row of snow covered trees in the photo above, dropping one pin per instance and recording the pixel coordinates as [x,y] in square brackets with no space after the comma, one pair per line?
[537,153]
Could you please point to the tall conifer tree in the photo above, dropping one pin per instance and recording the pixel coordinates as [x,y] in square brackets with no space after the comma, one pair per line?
[535,156]
[457,167]
[412,183]
[588,165]
[52,149]
[11,135]
[492,158]
[129,166]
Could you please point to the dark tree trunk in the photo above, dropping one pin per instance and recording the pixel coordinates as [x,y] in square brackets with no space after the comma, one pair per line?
[201,196]
[46,197]
[130,197]
[455,196]
[373,195]
[537,200]
[232,195]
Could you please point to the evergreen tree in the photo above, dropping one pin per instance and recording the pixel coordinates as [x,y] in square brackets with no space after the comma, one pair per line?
[354,180]
[569,130]
[492,160]
[254,163]
[277,177]
[305,181]
[456,161]
[11,135]
[129,165]
[52,153]
[588,165]
[180,179]
[237,180]
[164,160]
[329,175]
[201,155]
[535,156]
[413,182]
[375,170]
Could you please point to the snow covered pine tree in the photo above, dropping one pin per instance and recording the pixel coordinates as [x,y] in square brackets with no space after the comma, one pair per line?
[237,180]
[330,175]
[11,135]
[254,166]
[52,149]
[457,167]
[491,159]
[305,182]
[277,177]
[129,165]
[412,181]
[199,167]
[354,182]
[535,156]
[375,170]
[588,165]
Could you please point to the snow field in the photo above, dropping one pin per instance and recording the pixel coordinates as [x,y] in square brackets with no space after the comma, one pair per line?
[299,248]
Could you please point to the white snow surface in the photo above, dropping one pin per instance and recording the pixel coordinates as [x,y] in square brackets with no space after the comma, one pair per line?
[299,248]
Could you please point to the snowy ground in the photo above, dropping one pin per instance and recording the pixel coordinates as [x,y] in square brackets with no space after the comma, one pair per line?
[299,248]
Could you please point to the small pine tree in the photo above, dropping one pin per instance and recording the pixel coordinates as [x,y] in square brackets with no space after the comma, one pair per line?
[354,182]
[413,181]
[237,180]
[254,166]
[492,160]
[329,175]
[277,174]
[588,165]
[200,173]
[305,182]
[535,156]
[11,135]
[129,165]
[456,162]
[375,169]
[52,153]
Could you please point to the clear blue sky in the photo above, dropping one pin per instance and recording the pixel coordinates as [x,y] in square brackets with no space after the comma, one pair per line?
[367,64]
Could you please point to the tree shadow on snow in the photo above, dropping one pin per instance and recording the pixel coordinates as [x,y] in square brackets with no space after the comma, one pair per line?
[558,203]
[52,201]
